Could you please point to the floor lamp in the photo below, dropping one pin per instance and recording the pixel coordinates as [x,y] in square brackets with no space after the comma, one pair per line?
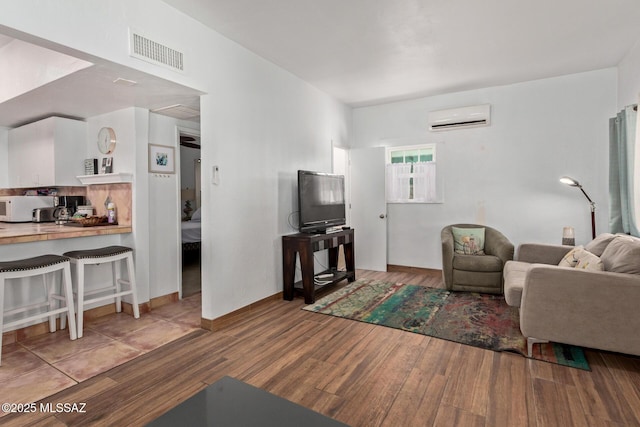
[573,183]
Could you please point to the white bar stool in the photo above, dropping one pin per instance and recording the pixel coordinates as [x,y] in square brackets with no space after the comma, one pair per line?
[40,265]
[112,254]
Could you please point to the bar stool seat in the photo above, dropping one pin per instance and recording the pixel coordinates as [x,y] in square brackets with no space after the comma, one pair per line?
[109,254]
[40,266]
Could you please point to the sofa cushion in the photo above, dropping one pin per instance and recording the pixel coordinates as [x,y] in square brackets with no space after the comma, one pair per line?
[622,255]
[468,241]
[572,257]
[477,263]
[477,281]
[600,243]
[514,275]
[590,262]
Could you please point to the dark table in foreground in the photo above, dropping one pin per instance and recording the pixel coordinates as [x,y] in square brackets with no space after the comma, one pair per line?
[229,402]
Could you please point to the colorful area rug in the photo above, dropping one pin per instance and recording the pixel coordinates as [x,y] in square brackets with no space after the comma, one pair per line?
[480,320]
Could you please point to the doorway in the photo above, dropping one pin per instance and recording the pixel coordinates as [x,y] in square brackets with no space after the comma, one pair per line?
[340,166]
[369,207]
[190,212]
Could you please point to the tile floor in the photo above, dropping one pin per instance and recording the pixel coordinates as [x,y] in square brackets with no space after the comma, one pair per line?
[44,365]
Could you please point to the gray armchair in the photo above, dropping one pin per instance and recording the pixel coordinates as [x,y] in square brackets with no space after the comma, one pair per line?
[475,273]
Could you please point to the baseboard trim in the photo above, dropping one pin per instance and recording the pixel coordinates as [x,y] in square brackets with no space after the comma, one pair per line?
[229,318]
[412,270]
[22,334]
[164,300]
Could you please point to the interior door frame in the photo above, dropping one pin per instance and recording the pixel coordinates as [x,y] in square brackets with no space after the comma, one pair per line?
[181,131]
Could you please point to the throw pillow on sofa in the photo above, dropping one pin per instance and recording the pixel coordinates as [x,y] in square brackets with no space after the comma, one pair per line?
[580,258]
[590,262]
[600,243]
[622,255]
[468,241]
[572,257]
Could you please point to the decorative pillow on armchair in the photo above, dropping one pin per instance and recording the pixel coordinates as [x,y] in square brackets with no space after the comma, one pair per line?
[468,241]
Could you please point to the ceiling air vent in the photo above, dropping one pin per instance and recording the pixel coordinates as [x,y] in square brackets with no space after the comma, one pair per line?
[178,111]
[148,50]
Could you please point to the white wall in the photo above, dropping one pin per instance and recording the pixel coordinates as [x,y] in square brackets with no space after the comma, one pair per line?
[4,155]
[629,78]
[20,71]
[124,125]
[259,124]
[505,175]
[92,28]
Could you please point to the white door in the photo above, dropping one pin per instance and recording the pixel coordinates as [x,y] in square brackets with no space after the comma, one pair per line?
[341,167]
[369,208]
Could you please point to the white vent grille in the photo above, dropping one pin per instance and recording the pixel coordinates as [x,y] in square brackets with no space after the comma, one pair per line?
[178,111]
[154,52]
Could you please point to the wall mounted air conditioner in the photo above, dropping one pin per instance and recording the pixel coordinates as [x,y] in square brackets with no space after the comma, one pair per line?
[463,117]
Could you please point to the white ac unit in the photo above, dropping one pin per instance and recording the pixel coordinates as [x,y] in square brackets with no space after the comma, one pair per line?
[463,117]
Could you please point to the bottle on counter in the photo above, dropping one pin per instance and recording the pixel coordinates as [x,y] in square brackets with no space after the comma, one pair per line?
[111,213]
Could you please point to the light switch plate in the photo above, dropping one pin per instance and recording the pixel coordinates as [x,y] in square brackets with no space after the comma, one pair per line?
[215,176]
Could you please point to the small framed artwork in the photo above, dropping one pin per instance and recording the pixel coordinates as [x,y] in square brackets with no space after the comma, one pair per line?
[161,159]
[107,165]
[91,166]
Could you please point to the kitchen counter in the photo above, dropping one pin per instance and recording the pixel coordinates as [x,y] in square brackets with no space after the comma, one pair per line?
[37,232]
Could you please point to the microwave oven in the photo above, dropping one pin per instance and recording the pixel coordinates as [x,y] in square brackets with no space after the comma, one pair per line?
[20,208]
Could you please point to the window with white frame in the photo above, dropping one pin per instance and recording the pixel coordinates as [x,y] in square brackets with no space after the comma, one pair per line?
[411,174]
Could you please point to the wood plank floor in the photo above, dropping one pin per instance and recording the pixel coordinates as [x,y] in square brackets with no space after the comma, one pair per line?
[360,374]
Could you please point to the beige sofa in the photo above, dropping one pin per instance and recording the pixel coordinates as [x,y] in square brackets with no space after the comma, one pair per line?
[584,307]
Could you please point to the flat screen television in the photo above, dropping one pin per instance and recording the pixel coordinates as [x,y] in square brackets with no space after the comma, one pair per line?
[321,202]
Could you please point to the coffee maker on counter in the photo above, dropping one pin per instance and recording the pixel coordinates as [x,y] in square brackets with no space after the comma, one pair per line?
[68,205]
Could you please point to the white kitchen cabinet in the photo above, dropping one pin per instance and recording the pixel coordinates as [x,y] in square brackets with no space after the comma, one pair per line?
[49,152]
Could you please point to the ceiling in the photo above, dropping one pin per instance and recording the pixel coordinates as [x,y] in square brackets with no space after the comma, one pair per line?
[365,52]
[100,88]
[372,51]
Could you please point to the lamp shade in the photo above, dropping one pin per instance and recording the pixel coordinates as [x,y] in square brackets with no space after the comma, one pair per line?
[569,181]
[573,183]
[187,194]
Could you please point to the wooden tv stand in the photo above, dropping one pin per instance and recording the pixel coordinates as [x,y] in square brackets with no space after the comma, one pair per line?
[306,244]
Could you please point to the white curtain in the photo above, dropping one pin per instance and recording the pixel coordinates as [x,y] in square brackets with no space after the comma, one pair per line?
[398,182]
[424,182]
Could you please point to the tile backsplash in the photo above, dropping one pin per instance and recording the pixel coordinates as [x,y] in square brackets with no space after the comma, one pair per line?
[96,195]
[120,195]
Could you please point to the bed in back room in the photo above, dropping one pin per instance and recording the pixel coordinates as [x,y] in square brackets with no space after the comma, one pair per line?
[191,232]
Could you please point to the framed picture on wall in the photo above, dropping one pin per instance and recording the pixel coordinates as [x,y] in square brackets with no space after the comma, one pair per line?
[161,159]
